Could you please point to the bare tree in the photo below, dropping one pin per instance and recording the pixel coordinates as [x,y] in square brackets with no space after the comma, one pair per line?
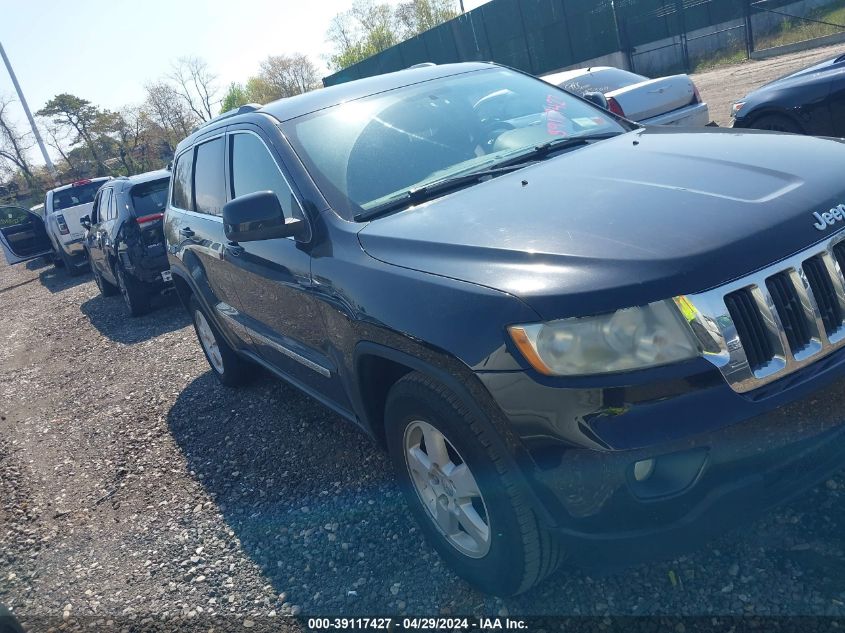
[289,75]
[14,144]
[169,110]
[196,85]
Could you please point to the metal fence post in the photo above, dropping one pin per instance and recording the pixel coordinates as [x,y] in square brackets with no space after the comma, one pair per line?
[749,31]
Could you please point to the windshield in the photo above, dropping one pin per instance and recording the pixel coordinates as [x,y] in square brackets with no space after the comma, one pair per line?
[150,197]
[364,152]
[75,195]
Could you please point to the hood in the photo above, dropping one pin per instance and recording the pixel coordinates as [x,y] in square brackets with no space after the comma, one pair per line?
[796,89]
[805,73]
[645,216]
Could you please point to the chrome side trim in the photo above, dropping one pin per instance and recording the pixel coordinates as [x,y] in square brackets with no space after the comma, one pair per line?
[230,315]
[711,322]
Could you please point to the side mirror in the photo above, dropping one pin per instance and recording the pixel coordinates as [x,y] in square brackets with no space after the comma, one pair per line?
[597,98]
[85,221]
[258,216]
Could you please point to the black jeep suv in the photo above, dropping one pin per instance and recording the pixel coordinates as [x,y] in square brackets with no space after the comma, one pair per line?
[124,239]
[565,328]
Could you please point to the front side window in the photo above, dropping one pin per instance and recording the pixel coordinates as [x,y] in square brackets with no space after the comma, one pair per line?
[182,175]
[366,152]
[253,169]
[209,182]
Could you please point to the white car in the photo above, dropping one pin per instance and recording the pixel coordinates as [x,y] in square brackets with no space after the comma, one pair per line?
[670,100]
[63,208]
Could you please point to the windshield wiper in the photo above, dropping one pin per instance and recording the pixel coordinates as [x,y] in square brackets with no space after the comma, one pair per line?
[437,188]
[544,149]
[431,190]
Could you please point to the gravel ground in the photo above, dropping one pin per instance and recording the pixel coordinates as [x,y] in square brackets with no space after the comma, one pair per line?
[135,489]
[722,86]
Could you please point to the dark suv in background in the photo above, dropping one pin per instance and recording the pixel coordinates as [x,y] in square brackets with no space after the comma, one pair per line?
[572,334]
[124,238]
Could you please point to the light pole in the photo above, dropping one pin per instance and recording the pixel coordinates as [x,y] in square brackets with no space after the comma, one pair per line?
[50,166]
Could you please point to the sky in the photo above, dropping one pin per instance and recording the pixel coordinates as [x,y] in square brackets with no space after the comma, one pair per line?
[106,50]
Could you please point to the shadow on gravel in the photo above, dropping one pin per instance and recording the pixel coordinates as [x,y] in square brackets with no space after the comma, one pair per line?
[57,279]
[313,502]
[109,316]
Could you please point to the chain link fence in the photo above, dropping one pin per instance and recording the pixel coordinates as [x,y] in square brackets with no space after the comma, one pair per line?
[651,37]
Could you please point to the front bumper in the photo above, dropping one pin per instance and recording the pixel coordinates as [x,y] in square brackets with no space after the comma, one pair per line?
[720,457]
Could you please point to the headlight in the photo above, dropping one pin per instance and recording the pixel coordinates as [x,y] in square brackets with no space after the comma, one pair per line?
[633,338]
[736,107]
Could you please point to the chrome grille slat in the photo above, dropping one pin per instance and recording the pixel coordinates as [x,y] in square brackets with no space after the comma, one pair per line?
[803,321]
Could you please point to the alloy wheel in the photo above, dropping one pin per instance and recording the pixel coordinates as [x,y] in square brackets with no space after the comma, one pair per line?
[208,342]
[447,489]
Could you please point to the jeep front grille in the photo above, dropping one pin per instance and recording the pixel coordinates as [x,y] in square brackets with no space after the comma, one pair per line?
[771,323]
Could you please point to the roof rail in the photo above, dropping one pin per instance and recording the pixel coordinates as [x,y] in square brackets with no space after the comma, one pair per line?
[244,109]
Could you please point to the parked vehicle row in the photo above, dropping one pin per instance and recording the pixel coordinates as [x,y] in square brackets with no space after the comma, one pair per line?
[124,239]
[573,334]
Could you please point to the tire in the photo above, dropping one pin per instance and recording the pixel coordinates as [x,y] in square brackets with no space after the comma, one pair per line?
[106,289]
[72,269]
[230,369]
[518,552]
[135,295]
[777,123]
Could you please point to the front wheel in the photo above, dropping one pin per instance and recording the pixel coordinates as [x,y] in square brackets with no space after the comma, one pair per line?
[777,123]
[230,369]
[463,491]
[106,289]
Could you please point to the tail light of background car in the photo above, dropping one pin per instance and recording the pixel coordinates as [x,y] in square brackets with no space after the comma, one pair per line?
[613,106]
[60,220]
[696,95]
[151,229]
[146,219]
[79,183]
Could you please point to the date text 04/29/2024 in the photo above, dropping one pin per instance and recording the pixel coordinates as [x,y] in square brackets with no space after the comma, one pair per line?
[417,623]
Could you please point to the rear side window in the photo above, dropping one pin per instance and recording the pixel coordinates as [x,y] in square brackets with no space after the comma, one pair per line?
[106,207]
[75,195]
[149,197]
[209,181]
[253,169]
[182,175]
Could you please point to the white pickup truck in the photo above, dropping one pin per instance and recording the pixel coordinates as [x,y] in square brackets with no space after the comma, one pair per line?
[63,208]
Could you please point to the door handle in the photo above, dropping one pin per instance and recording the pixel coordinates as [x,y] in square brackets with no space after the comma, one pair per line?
[235,250]
[186,232]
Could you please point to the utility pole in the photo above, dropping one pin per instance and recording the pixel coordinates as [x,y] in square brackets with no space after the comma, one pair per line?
[50,166]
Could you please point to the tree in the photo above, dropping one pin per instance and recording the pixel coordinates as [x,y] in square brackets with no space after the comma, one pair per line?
[235,97]
[168,110]
[369,28]
[195,84]
[362,31]
[288,75]
[418,16]
[14,144]
[70,111]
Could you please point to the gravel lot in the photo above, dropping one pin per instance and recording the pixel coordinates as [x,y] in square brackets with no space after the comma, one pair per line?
[134,488]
